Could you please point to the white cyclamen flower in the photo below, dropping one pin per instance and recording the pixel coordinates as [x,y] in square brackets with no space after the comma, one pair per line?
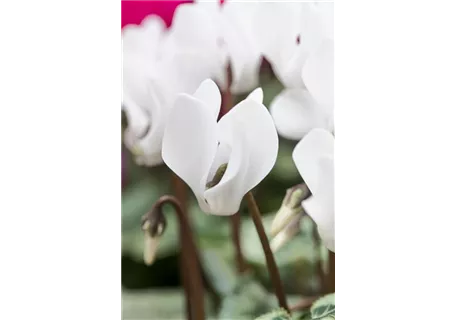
[220,161]
[240,42]
[195,39]
[305,67]
[215,35]
[314,158]
[142,96]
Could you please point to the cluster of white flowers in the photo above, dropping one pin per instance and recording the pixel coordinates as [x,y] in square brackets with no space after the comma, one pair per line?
[172,80]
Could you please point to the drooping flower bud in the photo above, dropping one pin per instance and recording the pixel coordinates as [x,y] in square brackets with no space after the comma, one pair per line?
[287,233]
[290,209]
[153,225]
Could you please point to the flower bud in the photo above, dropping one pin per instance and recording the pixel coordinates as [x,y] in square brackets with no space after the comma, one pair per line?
[153,225]
[287,233]
[291,207]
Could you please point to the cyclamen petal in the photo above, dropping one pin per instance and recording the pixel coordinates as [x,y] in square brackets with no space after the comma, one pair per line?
[195,146]
[225,197]
[239,40]
[262,141]
[318,74]
[309,153]
[295,113]
[189,143]
[196,32]
[209,93]
[256,95]
[314,158]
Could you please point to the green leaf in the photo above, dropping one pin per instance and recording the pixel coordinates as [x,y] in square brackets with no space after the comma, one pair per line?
[220,273]
[280,314]
[324,308]
[302,315]
[249,300]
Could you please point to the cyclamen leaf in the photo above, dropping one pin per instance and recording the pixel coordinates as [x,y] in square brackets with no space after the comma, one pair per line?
[303,315]
[324,308]
[222,276]
[280,314]
[248,300]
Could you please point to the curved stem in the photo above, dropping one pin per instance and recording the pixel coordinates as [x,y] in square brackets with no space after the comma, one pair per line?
[270,261]
[180,190]
[193,281]
[331,286]
[235,220]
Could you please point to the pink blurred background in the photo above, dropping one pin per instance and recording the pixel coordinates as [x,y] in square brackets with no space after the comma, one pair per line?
[133,12]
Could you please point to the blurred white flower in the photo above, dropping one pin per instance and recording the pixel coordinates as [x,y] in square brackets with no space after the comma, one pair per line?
[195,39]
[155,70]
[298,43]
[277,29]
[142,96]
[318,75]
[220,161]
[216,36]
[314,158]
[241,45]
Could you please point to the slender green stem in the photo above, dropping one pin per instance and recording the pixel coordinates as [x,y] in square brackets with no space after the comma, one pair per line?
[270,261]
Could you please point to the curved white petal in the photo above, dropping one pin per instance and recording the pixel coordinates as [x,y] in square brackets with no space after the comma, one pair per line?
[183,72]
[241,45]
[195,32]
[137,118]
[189,144]
[256,95]
[295,113]
[277,28]
[192,27]
[313,157]
[261,139]
[225,198]
[147,152]
[318,74]
[222,156]
[323,216]
[148,147]
[209,93]
[317,24]
[288,69]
